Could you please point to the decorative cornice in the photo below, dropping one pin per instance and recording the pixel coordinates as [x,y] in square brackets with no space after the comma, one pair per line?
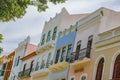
[108,41]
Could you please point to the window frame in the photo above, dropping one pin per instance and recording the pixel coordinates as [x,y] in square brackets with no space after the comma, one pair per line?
[48,36]
[54,33]
[57,57]
[43,39]
[84,74]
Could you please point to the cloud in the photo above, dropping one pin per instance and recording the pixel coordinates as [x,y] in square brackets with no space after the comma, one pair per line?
[32,23]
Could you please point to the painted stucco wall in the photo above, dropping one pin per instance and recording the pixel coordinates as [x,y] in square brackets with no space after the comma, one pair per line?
[59,74]
[65,40]
[62,20]
[108,48]
[88,29]
[108,55]
[110,20]
[91,25]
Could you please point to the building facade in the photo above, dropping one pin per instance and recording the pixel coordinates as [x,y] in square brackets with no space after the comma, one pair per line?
[3,61]
[27,62]
[87,50]
[17,63]
[64,47]
[86,36]
[107,56]
[9,63]
[82,54]
[45,49]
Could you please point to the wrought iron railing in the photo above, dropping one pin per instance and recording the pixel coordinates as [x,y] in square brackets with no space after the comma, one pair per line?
[78,55]
[24,73]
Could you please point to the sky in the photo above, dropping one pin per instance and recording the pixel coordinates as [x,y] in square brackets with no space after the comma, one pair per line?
[33,22]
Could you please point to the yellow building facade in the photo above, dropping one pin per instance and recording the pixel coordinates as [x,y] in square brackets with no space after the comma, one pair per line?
[107,56]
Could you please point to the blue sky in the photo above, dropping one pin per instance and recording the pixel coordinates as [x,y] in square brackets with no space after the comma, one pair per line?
[33,22]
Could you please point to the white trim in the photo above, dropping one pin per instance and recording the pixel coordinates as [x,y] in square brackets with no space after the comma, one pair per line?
[84,74]
[96,64]
[112,63]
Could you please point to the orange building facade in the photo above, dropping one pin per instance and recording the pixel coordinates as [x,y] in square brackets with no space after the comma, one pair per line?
[9,63]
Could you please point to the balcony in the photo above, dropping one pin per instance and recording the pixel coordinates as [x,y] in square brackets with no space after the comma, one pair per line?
[45,47]
[25,73]
[59,66]
[41,70]
[80,60]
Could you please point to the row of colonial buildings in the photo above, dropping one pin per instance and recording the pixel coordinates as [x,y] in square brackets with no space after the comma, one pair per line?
[72,47]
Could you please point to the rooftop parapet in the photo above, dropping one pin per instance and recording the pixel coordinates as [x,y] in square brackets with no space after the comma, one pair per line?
[67,31]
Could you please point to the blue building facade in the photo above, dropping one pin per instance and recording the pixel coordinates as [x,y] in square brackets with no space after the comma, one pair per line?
[62,53]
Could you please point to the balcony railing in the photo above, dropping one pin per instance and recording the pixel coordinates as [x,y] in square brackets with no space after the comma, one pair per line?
[24,73]
[78,55]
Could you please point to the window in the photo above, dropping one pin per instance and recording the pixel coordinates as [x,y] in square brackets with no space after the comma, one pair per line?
[3,68]
[43,62]
[73,78]
[43,39]
[18,60]
[48,60]
[13,77]
[15,62]
[24,67]
[100,69]
[37,66]
[77,50]
[54,33]
[63,54]
[83,78]
[89,46]
[31,66]
[68,52]
[116,72]
[48,36]
[57,56]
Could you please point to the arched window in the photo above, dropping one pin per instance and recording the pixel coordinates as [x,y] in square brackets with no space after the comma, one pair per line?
[100,69]
[89,46]
[73,78]
[116,72]
[83,76]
